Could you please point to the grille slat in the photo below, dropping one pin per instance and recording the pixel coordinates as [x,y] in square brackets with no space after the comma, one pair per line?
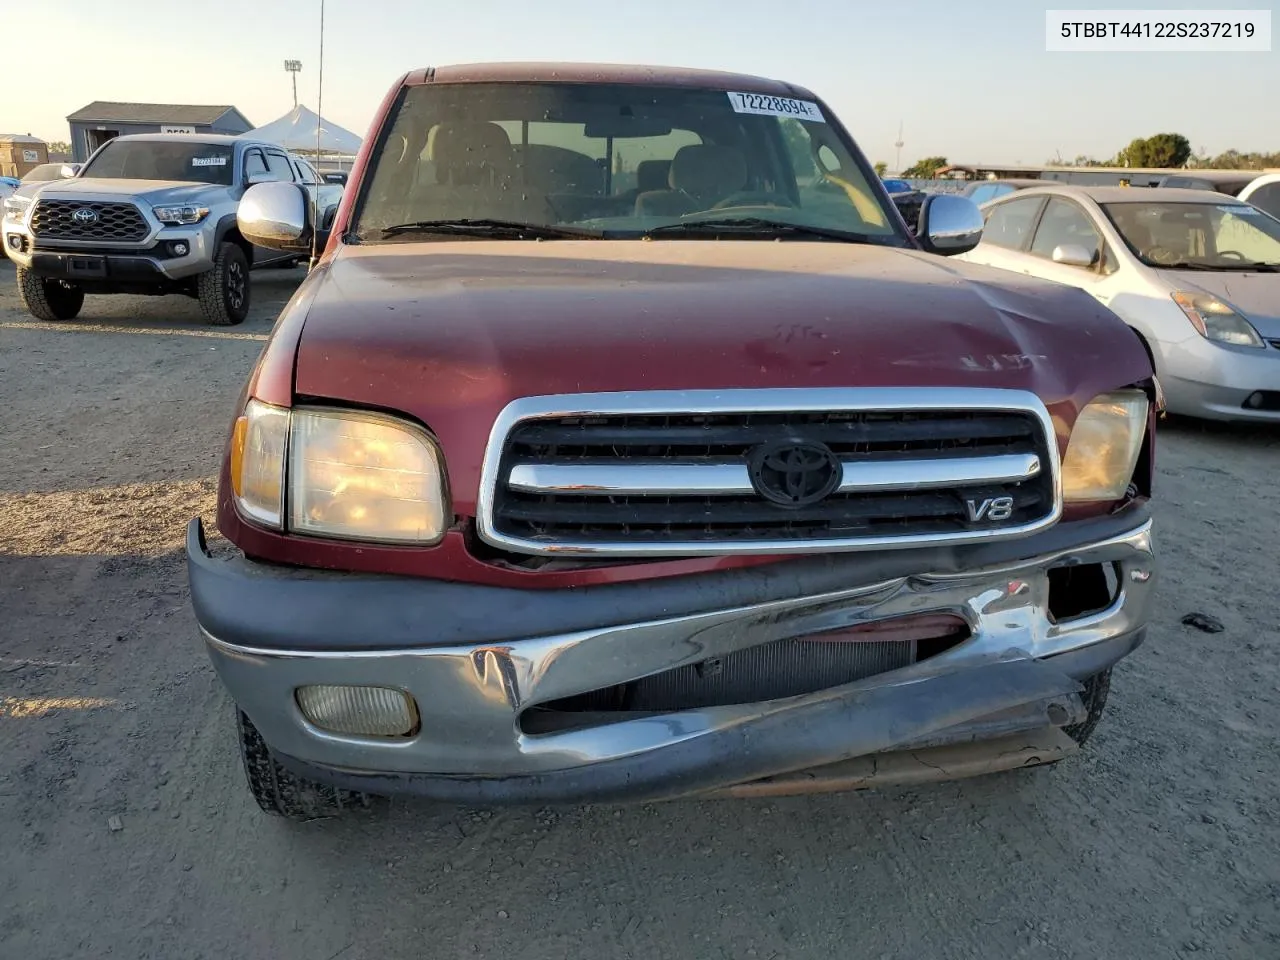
[573,509]
[115,222]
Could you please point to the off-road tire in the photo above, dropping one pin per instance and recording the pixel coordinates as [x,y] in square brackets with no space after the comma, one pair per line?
[283,793]
[224,291]
[47,299]
[1094,696]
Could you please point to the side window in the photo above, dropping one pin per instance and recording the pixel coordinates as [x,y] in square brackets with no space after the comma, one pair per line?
[1267,199]
[254,164]
[279,166]
[1009,223]
[304,171]
[1065,223]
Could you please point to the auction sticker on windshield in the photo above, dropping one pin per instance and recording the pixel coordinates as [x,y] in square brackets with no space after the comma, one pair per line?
[776,106]
[208,161]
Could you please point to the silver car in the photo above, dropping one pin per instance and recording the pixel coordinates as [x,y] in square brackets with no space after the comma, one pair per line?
[1195,273]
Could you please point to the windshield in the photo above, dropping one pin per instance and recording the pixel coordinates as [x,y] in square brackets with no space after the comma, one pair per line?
[898,186]
[43,173]
[163,160]
[1216,236]
[614,160]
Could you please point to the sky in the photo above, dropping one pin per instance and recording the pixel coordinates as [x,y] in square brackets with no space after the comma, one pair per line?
[970,82]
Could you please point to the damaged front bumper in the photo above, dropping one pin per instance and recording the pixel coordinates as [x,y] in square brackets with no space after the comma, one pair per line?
[476,660]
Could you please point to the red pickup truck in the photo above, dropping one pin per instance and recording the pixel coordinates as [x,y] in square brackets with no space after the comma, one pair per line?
[624,444]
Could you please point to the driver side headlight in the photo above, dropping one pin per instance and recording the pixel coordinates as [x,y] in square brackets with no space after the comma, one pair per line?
[1104,447]
[342,474]
[180,214]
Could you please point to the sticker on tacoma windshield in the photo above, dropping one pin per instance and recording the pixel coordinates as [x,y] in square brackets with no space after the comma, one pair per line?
[208,161]
[776,106]
[1240,209]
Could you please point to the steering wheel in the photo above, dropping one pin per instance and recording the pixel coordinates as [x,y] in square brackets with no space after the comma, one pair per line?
[1232,255]
[752,199]
[1162,255]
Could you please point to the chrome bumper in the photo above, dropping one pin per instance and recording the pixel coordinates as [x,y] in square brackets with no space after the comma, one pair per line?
[470,697]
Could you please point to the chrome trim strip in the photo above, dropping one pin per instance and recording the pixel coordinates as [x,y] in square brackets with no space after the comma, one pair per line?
[733,479]
[780,400]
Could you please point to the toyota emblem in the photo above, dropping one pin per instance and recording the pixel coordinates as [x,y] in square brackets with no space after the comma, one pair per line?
[794,473]
[85,215]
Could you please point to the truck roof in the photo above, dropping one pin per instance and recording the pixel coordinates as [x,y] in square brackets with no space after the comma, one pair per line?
[209,138]
[553,72]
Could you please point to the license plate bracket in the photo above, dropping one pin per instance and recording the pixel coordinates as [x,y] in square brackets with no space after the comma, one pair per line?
[78,266]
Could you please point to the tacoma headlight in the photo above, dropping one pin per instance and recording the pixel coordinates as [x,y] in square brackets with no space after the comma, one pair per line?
[15,208]
[346,474]
[364,476]
[1104,447]
[1215,320]
[180,214]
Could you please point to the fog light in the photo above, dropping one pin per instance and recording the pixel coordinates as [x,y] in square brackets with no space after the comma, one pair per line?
[179,248]
[1255,400]
[362,711]
[15,242]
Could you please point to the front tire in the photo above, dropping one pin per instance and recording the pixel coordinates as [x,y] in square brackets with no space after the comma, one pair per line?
[1094,696]
[281,792]
[47,299]
[224,291]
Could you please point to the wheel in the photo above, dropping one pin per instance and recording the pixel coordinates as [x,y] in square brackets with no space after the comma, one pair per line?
[283,793]
[224,291]
[47,299]
[1094,696]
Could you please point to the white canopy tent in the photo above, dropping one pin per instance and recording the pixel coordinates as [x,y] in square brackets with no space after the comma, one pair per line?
[297,129]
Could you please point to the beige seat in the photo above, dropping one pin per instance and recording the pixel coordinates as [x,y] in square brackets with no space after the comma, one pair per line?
[476,177]
[701,176]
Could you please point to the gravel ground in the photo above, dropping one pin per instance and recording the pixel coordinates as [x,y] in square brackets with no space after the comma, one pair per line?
[127,830]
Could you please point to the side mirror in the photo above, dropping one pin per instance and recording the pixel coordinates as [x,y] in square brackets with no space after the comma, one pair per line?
[277,215]
[1072,255]
[949,224]
[68,170]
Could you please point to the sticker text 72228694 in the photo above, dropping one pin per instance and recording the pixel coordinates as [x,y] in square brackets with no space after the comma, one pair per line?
[776,106]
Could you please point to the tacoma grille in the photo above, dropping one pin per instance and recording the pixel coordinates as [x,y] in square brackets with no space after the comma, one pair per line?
[60,220]
[769,480]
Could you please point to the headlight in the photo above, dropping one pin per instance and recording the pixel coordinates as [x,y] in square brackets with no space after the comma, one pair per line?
[1104,447]
[346,474]
[15,208]
[1214,320]
[180,214]
[364,476]
[258,445]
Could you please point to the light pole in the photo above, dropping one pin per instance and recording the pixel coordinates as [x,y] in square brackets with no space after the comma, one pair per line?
[293,67]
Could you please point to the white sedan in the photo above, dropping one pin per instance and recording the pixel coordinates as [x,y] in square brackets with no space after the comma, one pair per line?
[1195,273]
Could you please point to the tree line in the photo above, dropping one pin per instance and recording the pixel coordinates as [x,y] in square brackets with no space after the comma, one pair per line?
[1163,150]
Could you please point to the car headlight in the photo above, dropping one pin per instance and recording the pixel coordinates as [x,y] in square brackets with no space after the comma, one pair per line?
[344,474]
[180,214]
[15,208]
[1215,320]
[1104,447]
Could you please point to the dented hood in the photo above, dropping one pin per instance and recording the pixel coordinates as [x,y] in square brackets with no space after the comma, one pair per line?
[451,332]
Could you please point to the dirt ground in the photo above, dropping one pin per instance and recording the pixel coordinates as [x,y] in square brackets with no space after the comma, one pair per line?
[1161,840]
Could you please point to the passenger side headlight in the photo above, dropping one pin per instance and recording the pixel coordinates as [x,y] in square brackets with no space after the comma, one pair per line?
[345,474]
[1104,447]
[364,476]
[15,208]
[1215,320]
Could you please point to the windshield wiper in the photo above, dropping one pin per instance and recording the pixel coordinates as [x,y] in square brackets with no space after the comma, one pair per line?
[1263,266]
[487,227]
[761,227]
[1226,266]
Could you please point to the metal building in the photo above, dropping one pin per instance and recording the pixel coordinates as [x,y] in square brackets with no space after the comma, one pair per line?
[102,120]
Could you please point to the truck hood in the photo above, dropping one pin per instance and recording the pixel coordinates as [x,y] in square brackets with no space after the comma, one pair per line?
[451,332]
[150,191]
[1256,295]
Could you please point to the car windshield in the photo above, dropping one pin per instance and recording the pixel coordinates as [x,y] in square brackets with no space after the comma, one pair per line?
[614,161]
[163,160]
[898,186]
[1211,236]
[43,173]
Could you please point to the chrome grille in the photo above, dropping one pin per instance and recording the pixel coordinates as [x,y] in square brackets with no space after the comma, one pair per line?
[57,220]
[678,474]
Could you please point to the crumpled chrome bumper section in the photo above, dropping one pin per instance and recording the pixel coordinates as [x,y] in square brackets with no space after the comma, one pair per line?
[1017,670]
